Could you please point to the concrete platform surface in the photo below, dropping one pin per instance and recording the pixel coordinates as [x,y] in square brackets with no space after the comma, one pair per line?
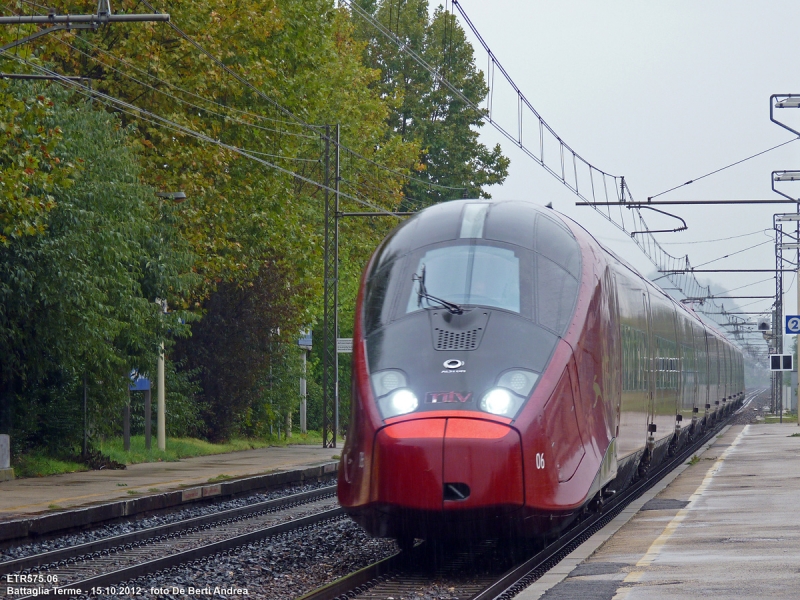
[727,526]
[34,495]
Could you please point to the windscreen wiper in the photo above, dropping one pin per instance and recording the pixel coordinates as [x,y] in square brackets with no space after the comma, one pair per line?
[422,293]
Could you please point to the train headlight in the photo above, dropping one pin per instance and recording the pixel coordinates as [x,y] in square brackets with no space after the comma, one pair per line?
[400,402]
[499,402]
[519,381]
[384,382]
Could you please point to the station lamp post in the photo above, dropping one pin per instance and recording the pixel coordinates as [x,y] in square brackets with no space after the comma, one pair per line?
[161,394]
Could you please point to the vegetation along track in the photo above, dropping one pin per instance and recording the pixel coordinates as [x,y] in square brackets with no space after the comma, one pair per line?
[473,572]
[112,560]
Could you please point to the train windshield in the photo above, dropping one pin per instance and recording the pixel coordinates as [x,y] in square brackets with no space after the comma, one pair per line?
[490,274]
[466,274]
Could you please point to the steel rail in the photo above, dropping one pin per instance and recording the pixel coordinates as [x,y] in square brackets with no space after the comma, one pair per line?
[63,556]
[367,576]
[113,578]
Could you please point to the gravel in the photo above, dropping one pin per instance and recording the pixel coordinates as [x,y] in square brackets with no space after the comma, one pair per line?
[279,568]
[136,524]
[748,414]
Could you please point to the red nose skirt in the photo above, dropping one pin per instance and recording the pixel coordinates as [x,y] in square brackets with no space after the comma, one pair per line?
[446,472]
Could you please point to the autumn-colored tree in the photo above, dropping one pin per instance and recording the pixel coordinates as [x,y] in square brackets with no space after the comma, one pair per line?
[246,88]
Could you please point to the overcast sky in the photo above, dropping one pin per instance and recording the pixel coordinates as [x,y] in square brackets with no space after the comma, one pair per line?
[660,92]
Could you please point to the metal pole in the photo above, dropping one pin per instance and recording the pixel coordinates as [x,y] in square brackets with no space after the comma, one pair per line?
[336,293]
[327,342]
[303,394]
[778,329]
[797,283]
[147,419]
[126,424]
[88,19]
[85,417]
[161,397]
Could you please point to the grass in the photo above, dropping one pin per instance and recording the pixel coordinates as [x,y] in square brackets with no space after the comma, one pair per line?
[39,465]
[220,477]
[694,460]
[787,418]
[178,448]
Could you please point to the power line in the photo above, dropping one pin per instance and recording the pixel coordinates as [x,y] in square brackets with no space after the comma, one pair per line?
[738,162]
[297,121]
[734,253]
[750,284]
[725,239]
[156,119]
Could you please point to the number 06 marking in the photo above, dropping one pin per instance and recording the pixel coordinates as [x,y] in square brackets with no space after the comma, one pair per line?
[540,460]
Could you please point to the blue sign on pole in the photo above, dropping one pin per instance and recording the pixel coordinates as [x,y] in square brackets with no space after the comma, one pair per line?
[306,339]
[138,383]
[792,324]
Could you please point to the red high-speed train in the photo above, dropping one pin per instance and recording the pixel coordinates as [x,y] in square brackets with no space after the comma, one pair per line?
[508,371]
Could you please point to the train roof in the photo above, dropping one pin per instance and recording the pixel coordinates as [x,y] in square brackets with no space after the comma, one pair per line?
[512,221]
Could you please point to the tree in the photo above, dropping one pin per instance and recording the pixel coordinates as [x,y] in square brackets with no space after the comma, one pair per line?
[235,345]
[77,298]
[426,112]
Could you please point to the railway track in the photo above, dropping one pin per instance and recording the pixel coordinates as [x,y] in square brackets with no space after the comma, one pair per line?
[400,576]
[103,564]
[116,566]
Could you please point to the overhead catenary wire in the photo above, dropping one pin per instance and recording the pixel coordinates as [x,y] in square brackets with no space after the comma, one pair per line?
[738,162]
[725,239]
[734,253]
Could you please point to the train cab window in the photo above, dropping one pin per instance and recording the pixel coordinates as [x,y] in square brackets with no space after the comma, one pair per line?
[558,244]
[380,295]
[468,274]
[557,291]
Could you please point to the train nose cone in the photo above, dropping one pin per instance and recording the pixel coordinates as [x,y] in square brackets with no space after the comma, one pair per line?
[448,464]
[483,460]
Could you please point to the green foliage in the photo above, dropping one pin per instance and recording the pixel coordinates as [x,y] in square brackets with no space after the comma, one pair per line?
[239,353]
[278,393]
[30,166]
[86,247]
[78,298]
[444,126]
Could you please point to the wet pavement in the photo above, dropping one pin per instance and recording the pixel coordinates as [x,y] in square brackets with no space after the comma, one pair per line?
[37,494]
[726,526]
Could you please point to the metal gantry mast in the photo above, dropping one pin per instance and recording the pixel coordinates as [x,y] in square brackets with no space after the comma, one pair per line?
[784,241]
[330,310]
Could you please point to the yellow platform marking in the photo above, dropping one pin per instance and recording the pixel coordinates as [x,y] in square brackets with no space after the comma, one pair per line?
[655,548]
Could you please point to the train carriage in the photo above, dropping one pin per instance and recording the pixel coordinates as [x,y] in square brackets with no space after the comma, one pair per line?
[508,371]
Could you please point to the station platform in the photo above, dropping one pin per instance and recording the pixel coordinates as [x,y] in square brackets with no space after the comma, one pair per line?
[725,525]
[44,504]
